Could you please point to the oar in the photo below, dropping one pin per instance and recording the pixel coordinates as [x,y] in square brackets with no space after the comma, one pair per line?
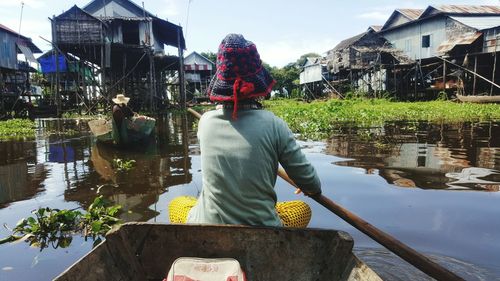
[418,260]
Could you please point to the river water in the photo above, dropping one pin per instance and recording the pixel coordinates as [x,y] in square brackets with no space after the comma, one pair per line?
[432,186]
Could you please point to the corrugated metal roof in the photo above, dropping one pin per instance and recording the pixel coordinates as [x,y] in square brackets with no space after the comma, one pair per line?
[409,14]
[25,40]
[479,23]
[26,52]
[348,42]
[412,14]
[7,29]
[469,9]
[465,39]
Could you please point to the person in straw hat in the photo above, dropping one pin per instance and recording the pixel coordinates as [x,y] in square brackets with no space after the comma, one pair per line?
[242,146]
[120,112]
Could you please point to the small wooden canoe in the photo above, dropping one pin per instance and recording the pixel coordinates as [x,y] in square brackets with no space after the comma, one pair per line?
[479,99]
[138,128]
[145,251]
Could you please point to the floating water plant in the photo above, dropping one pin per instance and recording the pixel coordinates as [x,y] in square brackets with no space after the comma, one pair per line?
[16,129]
[318,119]
[123,165]
[54,227]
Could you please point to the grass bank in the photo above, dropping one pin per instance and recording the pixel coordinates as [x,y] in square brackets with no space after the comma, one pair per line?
[17,129]
[318,118]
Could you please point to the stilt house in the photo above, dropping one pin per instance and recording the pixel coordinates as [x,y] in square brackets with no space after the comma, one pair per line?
[465,36]
[14,74]
[124,45]
[314,78]
[199,70]
[361,62]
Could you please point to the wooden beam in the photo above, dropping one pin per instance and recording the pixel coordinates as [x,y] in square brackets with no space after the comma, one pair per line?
[494,71]
[475,80]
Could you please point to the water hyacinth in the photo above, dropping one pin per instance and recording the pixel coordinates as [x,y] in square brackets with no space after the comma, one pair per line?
[317,119]
[16,129]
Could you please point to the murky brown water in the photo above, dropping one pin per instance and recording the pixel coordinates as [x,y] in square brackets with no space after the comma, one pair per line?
[434,187]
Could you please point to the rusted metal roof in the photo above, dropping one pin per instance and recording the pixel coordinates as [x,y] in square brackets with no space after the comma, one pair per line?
[469,9]
[348,42]
[465,39]
[411,14]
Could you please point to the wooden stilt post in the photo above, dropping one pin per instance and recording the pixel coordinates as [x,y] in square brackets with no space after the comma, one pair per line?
[84,86]
[150,80]
[494,72]
[103,68]
[415,81]
[182,86]
[2,102]
[124,72]
[475,78]
[395,78]
[444,76]
[58,94]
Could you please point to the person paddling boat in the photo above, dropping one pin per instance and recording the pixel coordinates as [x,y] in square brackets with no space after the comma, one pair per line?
[242,146]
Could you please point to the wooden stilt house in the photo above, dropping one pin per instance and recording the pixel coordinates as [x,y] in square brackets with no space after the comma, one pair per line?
[123,44]
[14,74]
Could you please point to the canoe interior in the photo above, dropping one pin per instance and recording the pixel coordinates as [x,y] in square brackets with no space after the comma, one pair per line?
[145,251]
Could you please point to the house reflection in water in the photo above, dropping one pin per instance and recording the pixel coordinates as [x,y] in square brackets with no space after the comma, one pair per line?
[26,165]
[63,159]
[159,164]
[20,173]
[429,156]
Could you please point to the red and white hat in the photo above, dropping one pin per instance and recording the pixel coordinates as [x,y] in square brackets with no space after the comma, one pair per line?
[240,74]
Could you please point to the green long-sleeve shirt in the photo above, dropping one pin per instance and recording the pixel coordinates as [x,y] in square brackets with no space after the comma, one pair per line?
[239,163]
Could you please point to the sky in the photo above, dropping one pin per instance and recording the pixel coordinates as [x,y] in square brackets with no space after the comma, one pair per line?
[283,30]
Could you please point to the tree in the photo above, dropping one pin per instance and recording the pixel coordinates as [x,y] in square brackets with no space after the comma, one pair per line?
[210,55]
[302,60]
[286,77]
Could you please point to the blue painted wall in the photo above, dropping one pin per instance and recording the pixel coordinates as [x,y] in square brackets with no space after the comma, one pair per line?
[8,53]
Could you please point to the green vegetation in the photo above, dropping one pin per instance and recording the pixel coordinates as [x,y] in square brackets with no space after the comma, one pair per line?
[56,227]
[317,119]
[100,218]
[123,165]
[287,77]
[210,55]
[17,129]
[88,116]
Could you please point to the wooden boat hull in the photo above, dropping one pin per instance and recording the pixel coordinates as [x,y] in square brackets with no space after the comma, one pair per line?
[137,129]
[145,251]
[479,99]
[102,129]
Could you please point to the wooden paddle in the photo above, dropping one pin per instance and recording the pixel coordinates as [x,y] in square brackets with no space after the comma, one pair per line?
[413,257]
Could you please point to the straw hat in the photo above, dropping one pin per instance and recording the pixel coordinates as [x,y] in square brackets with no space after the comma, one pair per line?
[121,99]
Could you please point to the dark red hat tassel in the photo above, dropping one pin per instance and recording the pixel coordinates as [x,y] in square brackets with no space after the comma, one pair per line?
[236,85]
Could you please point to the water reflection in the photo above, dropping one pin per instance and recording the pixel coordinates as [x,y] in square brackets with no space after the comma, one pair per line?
[20,172]
[64,155]
[159,164]
[64,168]
[463,156]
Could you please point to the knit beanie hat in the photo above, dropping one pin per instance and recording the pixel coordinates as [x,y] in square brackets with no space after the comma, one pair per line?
[240,74]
